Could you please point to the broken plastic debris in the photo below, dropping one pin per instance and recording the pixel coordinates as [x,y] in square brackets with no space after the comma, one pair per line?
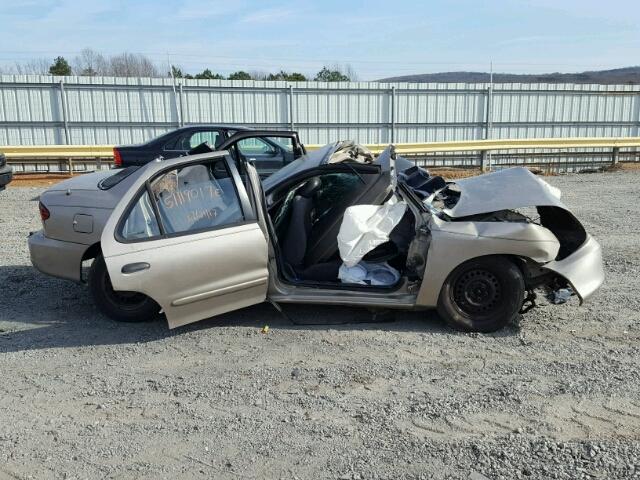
[561,295]
[349,150]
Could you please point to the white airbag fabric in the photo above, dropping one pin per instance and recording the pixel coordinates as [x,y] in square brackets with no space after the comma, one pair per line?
[364,227]
[365,273]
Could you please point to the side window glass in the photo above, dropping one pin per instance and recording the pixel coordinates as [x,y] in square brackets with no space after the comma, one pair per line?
[336,186]
[197,197]
[269,154]
[141,222]
[212,137]
[256,146]
[284,143]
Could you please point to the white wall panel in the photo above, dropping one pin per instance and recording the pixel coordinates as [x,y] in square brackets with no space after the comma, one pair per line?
[106,110]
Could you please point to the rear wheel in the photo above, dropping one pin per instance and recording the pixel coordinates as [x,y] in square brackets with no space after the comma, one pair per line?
[482,295]
[119,305]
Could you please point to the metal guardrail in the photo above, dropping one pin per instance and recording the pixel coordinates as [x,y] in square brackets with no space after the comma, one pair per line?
[519,144]
[57,151]
[67,155]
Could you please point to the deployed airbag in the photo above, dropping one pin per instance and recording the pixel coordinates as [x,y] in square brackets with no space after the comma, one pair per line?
[365,273]
[364,227]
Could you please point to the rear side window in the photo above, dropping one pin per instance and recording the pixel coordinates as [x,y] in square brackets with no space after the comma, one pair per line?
[212,137]
[188,141]
[141,221]
[191,198]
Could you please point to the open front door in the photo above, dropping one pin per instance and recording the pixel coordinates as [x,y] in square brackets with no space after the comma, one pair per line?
[187,236]
[267,150]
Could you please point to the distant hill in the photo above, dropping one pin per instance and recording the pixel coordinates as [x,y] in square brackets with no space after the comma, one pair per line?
[627,75]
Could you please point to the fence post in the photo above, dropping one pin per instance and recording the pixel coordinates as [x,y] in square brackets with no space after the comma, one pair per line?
[291,123]
[180,97]
[484,154]
[392,113]
[63,104]
[615,156]
[485,161]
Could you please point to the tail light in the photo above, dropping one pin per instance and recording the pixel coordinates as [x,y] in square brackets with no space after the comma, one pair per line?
[44,211]
[117,159]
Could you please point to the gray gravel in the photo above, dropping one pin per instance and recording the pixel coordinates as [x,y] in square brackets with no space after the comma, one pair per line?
[555,396]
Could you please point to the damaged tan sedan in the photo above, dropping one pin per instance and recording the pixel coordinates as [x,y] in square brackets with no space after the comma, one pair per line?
[201,235]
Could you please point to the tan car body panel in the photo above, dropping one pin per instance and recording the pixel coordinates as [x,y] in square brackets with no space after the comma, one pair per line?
[453,243]
[55,257]
[583,268]
[60,225]
[511,188]
[208,276]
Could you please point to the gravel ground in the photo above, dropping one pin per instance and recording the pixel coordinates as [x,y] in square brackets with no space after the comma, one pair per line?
[555,396]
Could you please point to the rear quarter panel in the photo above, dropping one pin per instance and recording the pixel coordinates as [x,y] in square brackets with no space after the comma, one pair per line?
[60,224]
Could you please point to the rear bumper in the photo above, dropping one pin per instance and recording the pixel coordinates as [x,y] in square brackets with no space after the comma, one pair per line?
[582,269]
[56,258]
[6,175]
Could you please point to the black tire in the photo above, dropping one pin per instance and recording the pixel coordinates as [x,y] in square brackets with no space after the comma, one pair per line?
[120,306]
[482,295]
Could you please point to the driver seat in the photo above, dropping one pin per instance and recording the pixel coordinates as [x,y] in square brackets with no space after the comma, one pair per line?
[296,238]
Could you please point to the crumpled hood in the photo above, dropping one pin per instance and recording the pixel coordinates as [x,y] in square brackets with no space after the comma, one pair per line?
[503,190]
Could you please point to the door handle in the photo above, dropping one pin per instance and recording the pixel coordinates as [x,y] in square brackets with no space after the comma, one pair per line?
[135,267]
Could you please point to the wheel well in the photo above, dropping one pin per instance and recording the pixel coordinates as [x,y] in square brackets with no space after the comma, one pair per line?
[92,252]
[512,258]
[535,275]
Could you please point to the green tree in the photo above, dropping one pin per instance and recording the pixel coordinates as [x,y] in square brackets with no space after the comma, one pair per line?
[241,75]
[328,75]
[60,67]
[176,72]
[208,75]
[296,77]
[289,77]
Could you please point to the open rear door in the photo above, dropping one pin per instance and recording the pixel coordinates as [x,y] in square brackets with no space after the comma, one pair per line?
[187,236]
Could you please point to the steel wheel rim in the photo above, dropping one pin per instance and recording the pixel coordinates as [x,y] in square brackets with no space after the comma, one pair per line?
[477,292]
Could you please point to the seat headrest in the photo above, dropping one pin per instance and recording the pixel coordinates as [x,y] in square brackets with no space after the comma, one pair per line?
[310,188]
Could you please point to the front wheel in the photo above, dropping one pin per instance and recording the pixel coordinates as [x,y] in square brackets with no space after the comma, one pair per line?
[119,305]
[482,295]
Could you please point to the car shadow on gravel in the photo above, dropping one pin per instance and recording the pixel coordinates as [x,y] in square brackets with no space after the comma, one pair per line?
[40,312]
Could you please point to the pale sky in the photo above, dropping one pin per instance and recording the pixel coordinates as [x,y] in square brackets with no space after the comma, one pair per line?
[377,38]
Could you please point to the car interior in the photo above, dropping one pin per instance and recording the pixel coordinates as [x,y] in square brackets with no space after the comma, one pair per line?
[307,216]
